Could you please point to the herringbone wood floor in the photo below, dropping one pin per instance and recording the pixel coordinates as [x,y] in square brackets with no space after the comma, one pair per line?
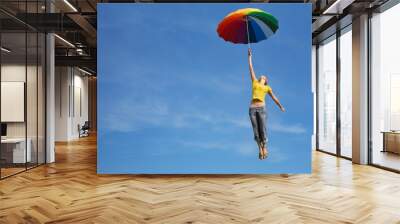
[70,191]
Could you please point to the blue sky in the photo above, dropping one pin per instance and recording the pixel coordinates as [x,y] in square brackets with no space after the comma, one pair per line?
[173,97]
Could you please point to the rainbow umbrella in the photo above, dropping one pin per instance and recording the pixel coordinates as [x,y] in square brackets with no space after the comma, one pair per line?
[249,25]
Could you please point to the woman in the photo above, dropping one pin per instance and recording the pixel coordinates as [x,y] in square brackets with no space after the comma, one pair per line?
[257,110]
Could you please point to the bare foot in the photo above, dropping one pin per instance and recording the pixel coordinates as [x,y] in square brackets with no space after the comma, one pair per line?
[265,152]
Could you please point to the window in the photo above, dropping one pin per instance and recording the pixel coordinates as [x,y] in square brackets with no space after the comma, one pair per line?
[346,92]
[327,95]
[385,88]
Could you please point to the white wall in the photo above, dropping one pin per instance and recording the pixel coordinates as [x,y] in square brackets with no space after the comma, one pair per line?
[33,127]
[80,110]
[12,73]
[71,93]
[62,82]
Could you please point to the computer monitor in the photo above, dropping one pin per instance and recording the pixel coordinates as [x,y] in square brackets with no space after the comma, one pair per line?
[3,129]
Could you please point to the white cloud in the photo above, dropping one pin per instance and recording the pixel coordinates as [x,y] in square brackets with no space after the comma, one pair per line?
[130,115]
[287,128]
[242,148]
[152,107]
[227,86]
[247,148]
[204,145]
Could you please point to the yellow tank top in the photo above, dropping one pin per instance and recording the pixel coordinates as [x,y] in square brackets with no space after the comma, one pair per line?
[259,90]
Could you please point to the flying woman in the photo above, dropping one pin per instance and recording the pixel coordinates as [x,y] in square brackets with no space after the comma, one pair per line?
[257,109]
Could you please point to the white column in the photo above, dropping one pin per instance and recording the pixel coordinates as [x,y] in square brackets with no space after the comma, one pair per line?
[50,92]
[50,105]
[360,90]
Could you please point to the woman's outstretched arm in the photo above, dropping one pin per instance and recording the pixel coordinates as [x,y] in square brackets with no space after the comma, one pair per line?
[252,74]
[276,101]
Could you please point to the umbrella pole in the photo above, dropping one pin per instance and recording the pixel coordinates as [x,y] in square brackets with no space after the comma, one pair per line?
[247,28]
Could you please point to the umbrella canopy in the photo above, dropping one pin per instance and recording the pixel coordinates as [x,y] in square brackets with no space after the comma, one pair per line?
[248,25]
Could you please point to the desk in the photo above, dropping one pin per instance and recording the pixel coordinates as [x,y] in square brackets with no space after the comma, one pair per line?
[391,141]
[17,150]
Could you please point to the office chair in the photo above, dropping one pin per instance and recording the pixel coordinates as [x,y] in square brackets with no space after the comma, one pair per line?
[84,130]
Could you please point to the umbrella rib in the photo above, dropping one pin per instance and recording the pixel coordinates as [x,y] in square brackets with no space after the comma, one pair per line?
[248,36]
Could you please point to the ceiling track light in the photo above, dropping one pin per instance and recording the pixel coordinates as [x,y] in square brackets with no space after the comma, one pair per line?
[64,40]
[337,7]
[331,7]
[70,5]
[84,71]
[5,50]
